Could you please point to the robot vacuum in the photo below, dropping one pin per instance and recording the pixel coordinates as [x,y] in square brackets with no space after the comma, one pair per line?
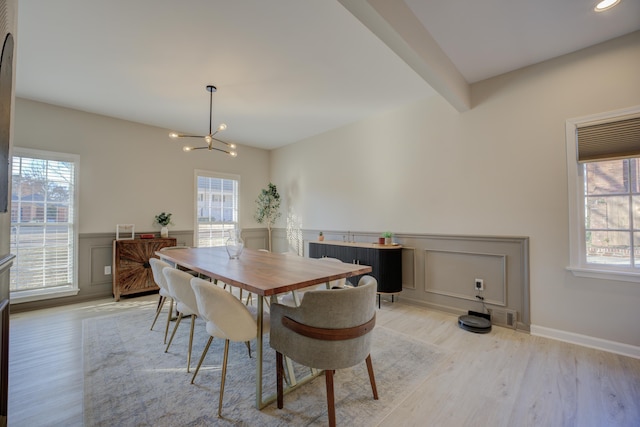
[472,323]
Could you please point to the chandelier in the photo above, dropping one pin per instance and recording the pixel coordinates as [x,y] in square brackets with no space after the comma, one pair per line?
[209,138]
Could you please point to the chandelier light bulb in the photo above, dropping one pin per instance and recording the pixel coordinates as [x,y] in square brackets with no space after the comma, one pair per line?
[232,145]
[222,127]
[233,154]
[173,135]
[605,5]
[208,139]
[186,148]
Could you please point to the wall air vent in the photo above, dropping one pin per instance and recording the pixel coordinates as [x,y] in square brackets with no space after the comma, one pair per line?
[504,317]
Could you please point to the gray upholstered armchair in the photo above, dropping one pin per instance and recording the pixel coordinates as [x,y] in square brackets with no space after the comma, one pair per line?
[330,330]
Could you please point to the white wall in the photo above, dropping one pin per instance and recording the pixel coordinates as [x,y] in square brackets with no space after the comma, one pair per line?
[131,172]
[498,169]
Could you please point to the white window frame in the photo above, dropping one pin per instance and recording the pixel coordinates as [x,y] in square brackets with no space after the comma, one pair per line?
[216,175]
[71,289]
[575,185]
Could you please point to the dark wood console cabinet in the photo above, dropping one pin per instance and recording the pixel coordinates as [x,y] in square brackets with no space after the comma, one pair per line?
[385,261]
[131,270]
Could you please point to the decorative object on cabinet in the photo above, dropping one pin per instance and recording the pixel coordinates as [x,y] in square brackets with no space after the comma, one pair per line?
[164,219]
[131,270]
[320,237]
[387,237]
[209,138]
[268,208]
[125,231]
[385,261]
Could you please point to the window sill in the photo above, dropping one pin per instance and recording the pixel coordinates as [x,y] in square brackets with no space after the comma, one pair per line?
[18,297]
[595,273]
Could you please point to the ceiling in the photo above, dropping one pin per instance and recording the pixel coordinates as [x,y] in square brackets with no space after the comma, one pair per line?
[287,70]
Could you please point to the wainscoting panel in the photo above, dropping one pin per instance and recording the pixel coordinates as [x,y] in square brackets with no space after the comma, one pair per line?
[453,274]
[408,268]
[100,257]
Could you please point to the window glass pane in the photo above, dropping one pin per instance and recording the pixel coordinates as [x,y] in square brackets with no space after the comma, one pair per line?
[609,177]
[607,213]
[609,247]
[217,210]
[42,228]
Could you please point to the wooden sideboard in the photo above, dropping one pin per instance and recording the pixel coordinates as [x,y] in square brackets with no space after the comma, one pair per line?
[131,270]
[385,261]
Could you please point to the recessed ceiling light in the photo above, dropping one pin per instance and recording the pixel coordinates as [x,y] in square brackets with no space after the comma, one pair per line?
[605,5]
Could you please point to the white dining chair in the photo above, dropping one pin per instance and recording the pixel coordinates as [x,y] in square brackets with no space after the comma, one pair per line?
[179,284]
[226,318]
[157,266]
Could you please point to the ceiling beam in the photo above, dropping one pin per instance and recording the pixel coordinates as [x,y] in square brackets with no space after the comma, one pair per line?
[393,22]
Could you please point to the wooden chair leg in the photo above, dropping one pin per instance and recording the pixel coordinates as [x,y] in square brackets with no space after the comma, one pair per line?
[372,378]
[204,353]
[279,375]
[224,373]
[248,344]
[331,409]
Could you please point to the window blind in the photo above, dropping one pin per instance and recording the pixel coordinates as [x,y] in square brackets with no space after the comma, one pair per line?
[42,228]
[609,140]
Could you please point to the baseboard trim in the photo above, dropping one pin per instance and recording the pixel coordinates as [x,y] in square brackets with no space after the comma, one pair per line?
[587,341]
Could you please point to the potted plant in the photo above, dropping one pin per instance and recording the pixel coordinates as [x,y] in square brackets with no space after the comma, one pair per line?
[164,219]
[381,240]
[268,208]
[320,237]
[387,237]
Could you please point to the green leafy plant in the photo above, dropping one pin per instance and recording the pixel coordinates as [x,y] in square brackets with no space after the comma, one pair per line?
[268,208]
[387,234]
[163,219]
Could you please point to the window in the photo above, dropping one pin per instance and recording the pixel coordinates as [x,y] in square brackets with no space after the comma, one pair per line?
[43,224]
[603,163]
[216,207]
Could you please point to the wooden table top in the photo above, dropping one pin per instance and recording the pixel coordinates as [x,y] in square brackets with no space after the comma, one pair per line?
[262,273]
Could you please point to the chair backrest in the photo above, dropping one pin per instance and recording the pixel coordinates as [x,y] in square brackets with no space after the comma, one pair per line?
[332,311]
[179,284]
[225,314]
[157,265]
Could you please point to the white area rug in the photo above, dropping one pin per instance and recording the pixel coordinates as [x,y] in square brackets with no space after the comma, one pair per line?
[130,381]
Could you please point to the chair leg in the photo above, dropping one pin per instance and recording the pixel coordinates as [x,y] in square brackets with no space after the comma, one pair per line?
[166,328]
[175,328]
[158,310]
[372,378]
[204,353]
[248,344]
[224,374]
[193,322]
[331,409]
[279,375]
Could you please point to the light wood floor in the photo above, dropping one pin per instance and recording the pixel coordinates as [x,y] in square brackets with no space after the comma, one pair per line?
[504,378]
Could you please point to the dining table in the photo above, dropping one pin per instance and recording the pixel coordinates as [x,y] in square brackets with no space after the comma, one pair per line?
[267,275]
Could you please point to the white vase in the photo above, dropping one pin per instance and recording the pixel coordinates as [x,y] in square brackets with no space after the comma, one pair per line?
[164,232]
